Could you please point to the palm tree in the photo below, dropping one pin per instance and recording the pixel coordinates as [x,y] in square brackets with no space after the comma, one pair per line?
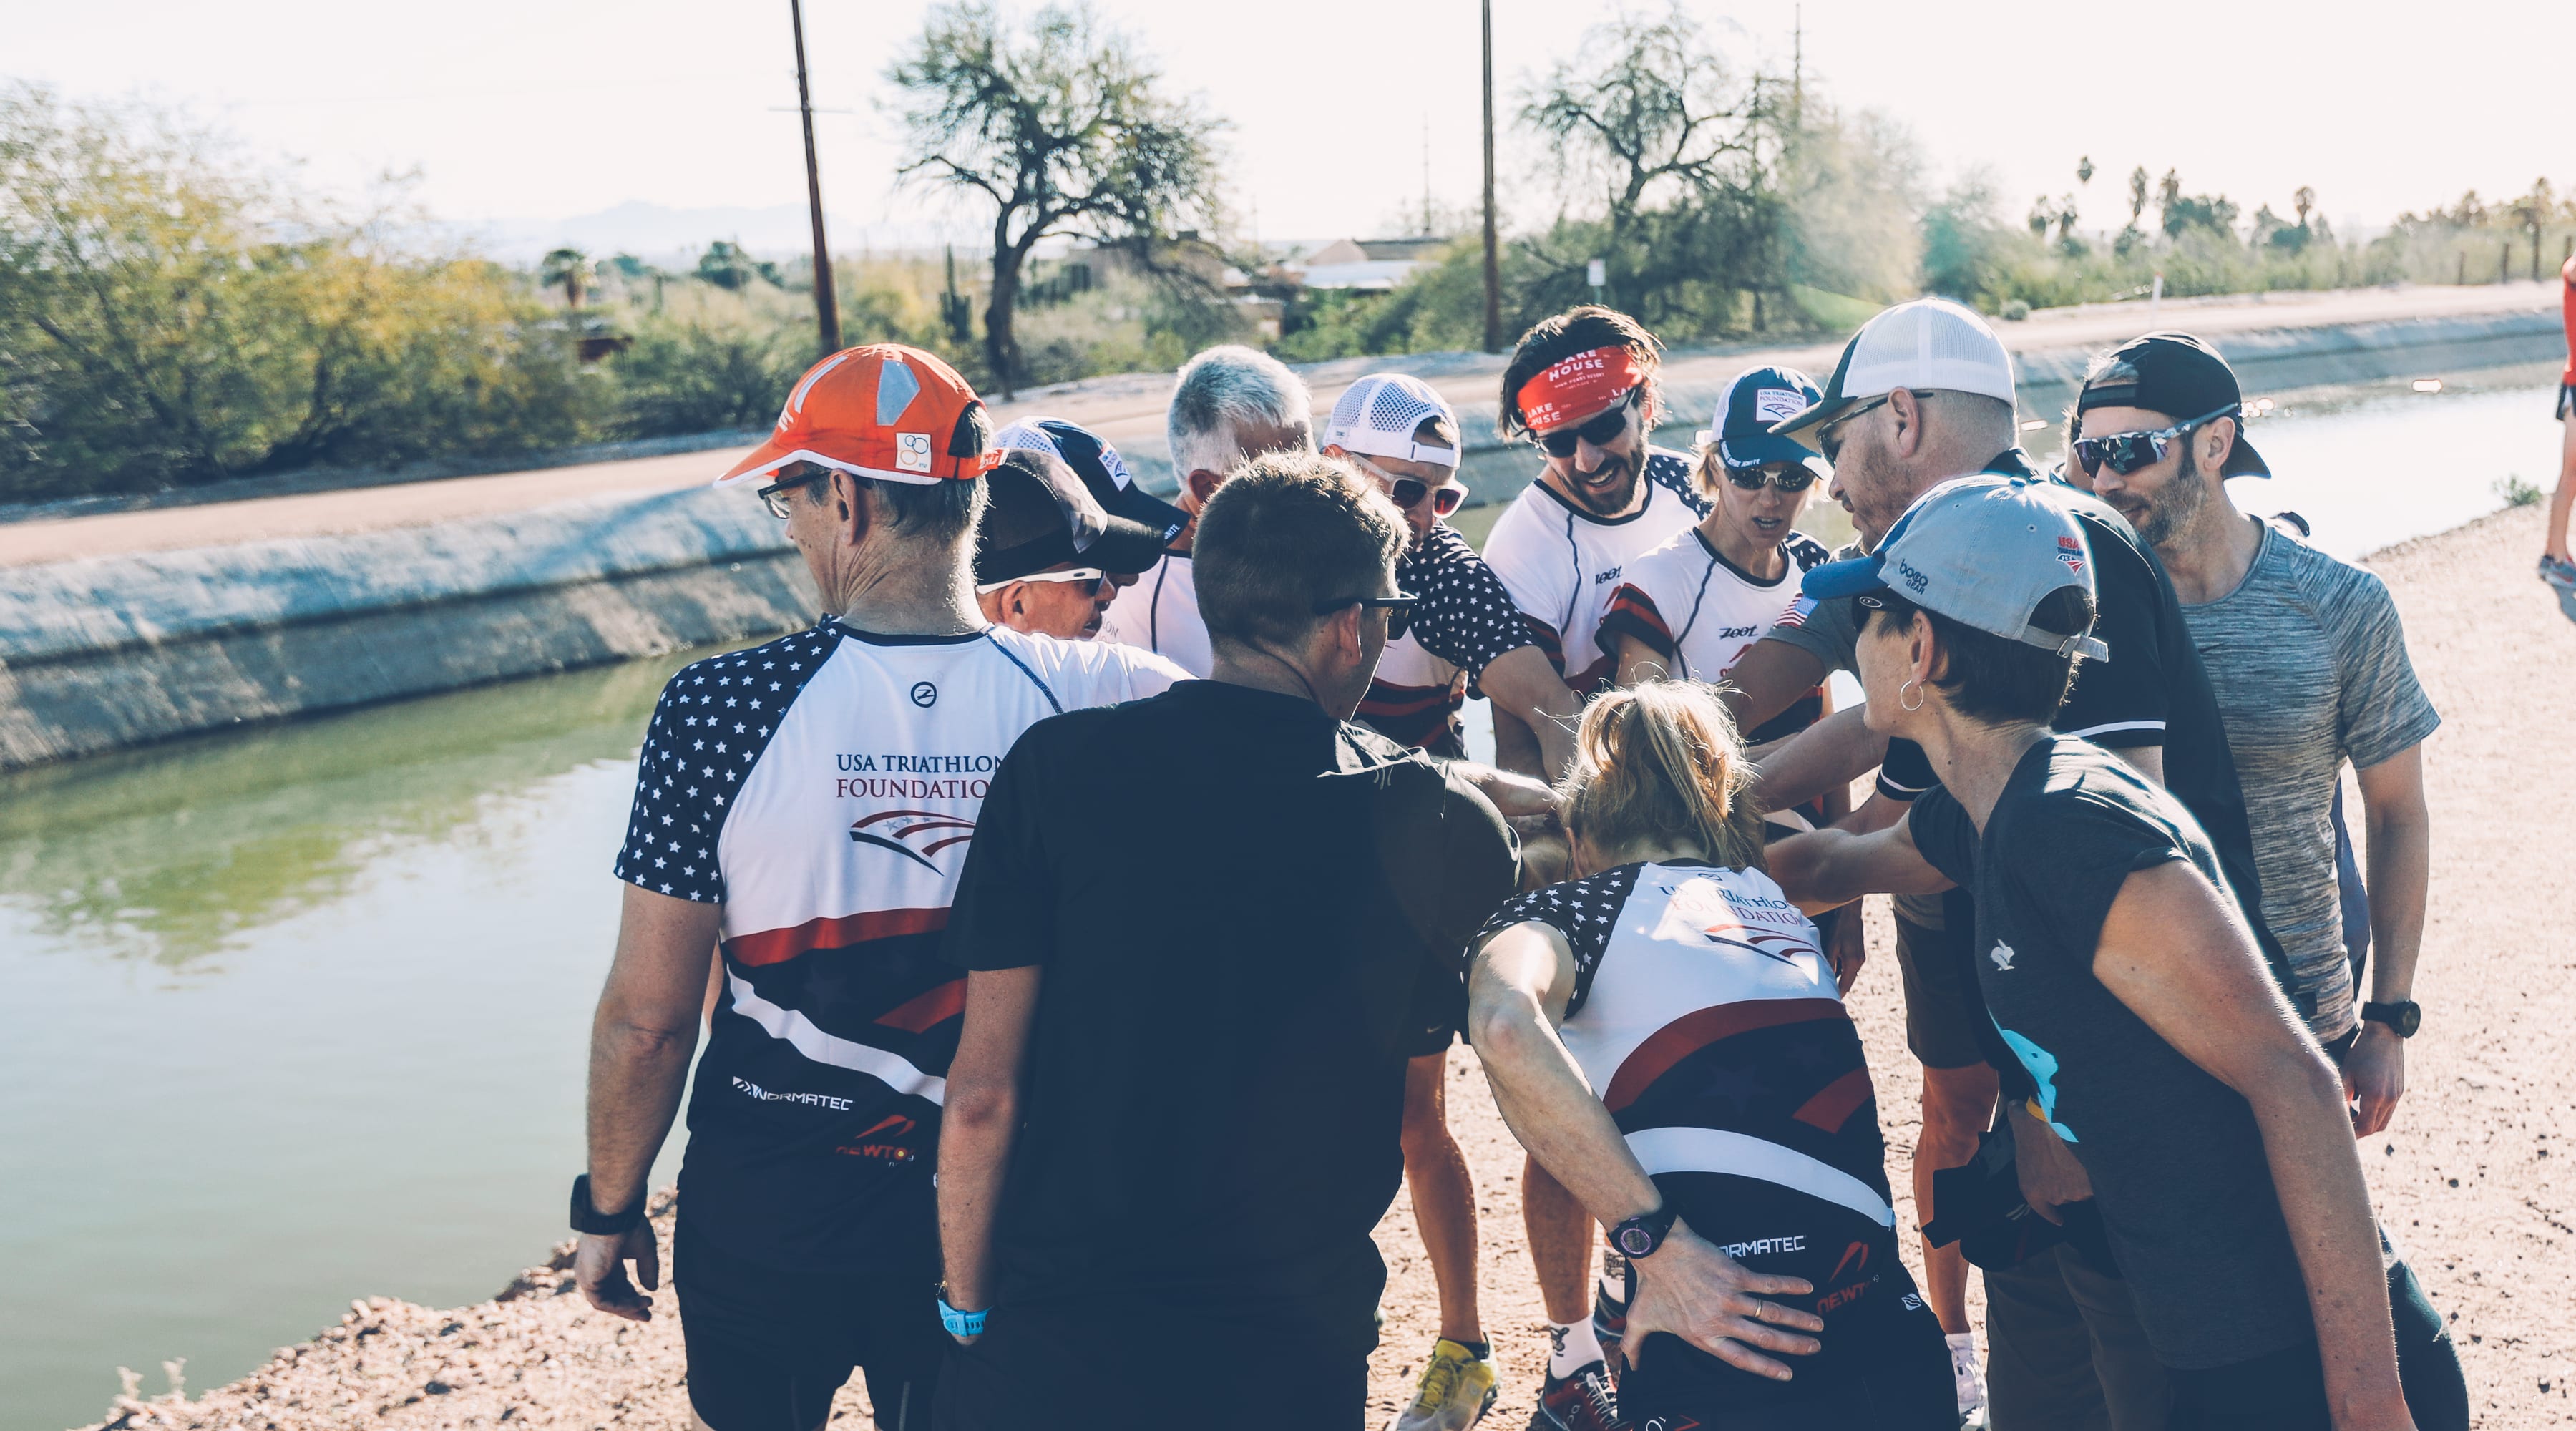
[569,267]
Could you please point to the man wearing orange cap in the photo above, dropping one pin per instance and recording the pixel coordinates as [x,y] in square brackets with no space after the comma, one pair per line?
[803,808]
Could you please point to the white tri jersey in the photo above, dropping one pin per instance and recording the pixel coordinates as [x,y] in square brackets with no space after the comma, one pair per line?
[1160,613]
[1561,563]
[1705,1016]
[822,789]
[1687,603]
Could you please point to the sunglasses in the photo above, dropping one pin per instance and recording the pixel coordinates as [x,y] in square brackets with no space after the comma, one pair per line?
[1097,579]
[1408,492]
[1787,476]
[2126,452]
[779,496]
[1600,431]
[1829,439]
[1398,609]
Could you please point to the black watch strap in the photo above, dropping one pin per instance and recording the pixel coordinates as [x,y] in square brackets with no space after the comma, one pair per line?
[2402,1017]
[587,1218]
[1640,1236]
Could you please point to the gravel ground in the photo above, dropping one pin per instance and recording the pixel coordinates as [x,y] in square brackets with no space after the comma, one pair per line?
[2465,1180]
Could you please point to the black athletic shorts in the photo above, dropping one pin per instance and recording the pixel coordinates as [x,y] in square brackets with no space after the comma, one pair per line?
[767,1348]
[2566,401]
[1942,1005]
[1885,1367]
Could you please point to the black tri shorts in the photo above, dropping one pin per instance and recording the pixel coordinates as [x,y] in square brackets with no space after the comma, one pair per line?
[768,1347]
[1886,1368]
[1942,1005]
[2566,400]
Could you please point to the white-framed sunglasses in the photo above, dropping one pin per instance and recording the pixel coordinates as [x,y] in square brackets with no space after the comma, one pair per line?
[1097,577]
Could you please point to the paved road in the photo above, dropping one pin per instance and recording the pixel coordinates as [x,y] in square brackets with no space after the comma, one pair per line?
[1128,410]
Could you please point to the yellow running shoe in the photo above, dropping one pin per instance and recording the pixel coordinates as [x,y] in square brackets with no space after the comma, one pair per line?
[1456,1391]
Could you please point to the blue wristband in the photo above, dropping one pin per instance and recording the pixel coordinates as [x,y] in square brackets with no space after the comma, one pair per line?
[962,1324]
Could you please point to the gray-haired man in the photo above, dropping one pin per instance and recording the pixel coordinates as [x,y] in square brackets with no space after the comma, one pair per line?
[1230,403]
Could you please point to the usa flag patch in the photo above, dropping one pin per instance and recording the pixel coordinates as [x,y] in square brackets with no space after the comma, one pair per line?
[2071,552]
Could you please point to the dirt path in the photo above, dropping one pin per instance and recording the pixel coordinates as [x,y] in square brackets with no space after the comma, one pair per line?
[2466,1180]
[1127,409]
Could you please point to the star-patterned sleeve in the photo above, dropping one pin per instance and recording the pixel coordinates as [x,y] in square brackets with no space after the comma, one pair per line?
[1671,471]
[1467,617]
[713,721]
[1584,910]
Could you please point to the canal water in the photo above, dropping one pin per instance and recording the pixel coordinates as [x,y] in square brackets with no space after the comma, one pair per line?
[298,1015]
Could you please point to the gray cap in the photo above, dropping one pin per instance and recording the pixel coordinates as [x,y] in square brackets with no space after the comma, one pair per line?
[1983,551]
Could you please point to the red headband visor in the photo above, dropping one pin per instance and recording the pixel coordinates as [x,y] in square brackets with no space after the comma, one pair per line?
[1575,388]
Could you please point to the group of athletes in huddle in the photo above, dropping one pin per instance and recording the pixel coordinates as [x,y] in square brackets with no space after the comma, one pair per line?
[1118,861]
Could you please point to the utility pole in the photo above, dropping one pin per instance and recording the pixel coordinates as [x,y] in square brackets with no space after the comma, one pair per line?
[827,308]
[1493,254]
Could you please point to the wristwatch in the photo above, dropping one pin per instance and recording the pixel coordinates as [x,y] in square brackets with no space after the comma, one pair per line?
[1640,1236]
[2403,1017]
[957,1323]
[587,1218]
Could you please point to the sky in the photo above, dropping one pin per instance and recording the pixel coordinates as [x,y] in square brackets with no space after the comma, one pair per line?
[518,115]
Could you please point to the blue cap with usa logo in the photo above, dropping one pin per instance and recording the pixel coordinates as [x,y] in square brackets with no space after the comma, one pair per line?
[1756,399]
[1983,551]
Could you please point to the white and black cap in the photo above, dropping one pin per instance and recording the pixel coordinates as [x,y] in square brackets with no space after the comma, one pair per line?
[1928,343]
[1983,551]
[1382,415]
[1039,514]
[1100,468]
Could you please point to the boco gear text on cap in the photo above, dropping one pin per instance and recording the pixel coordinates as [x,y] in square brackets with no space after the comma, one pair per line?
[883,411]
[1983,551]
[1752,402]
[1929,343]
[2180,376]
[1382,415]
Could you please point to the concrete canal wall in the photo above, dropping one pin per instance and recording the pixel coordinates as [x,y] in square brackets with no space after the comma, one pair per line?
[106,652]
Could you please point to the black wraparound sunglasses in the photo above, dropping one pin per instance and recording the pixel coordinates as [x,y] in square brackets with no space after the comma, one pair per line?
[1787,476]
[2126,452]
[1398,609]
[1600,431]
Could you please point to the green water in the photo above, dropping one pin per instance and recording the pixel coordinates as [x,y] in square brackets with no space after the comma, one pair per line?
[295,1016]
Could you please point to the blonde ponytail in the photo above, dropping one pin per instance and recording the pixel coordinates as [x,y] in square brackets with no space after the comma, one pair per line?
[1660,762]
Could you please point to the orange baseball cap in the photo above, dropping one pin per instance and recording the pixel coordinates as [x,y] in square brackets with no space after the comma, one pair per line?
[885,411]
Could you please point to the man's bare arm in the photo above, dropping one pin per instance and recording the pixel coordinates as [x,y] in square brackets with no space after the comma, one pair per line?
[1826,869]
[1516,993]
[2175,951]
[641,1037]
[978,1123]
[2400,850]
[1819,761]
[1768,679]
[1522,684]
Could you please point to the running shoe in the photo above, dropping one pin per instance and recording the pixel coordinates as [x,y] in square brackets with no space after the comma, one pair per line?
[1971,1378]
[1610,1309]
[1456,1390]
[1581,1402]
[2560,574]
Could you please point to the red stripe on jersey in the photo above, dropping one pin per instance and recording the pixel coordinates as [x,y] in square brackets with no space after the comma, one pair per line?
[943,1003]
[1692,1032]
[777,946]
[1549,643]
[1630,602]
[1836,1101]
[1386,698]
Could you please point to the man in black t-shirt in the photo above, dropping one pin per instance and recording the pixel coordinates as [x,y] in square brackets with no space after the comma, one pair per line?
[1204,933]
[2170,1083]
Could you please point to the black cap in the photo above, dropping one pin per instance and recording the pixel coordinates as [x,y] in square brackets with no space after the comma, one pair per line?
[2182,377]
[1100,468]
[1037,514]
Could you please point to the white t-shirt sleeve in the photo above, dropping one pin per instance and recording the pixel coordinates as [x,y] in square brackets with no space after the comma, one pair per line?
[1082,674]
[1536,565]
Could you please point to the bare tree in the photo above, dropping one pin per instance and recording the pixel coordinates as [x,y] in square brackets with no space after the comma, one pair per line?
[1059,125]
[2304,200]
[1649,110]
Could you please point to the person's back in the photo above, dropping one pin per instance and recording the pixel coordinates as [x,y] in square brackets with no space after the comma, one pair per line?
[1204,936]
[1191,1057]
